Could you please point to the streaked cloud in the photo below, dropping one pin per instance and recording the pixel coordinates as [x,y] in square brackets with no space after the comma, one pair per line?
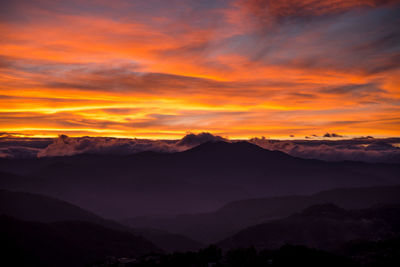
[238,68]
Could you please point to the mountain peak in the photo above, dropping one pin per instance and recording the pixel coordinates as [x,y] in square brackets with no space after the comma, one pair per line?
[222,146]
[241,150]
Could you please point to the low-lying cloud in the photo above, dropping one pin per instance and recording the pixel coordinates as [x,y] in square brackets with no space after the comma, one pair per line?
[366,149]
[67,146]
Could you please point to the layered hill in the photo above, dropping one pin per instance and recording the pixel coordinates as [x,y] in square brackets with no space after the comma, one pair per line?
[65,243]
[225,221]
[321,226]
[39,208]
[200,179]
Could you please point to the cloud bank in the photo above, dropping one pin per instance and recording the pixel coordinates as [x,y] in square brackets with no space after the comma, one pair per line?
[366,149]
[67,146]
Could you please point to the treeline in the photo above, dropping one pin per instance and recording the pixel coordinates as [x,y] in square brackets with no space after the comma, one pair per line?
[379,253]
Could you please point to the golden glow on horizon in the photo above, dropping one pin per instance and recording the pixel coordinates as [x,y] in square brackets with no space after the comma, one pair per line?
[160,76]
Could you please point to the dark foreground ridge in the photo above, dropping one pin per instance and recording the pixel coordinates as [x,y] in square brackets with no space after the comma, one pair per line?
[66,243]
[321,235]
[369,254]
[39,208]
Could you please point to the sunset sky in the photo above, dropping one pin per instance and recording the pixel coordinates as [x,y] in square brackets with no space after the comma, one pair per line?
[236,68]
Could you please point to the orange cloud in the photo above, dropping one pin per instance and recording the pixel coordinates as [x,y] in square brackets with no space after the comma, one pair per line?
[131,70]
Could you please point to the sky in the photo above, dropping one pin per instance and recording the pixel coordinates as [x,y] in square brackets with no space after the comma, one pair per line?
[236,68]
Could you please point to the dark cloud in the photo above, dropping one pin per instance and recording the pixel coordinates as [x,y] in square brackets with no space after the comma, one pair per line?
[329,135]
[123,80]
[383,65]
[196,139]
[121,111]
[356,36]
[353,89]
[268,10]
[18,152]
[303,95]
[126,77]
[380,145]
[12,146]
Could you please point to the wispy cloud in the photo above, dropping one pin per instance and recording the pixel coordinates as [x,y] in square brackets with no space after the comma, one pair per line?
[235,67]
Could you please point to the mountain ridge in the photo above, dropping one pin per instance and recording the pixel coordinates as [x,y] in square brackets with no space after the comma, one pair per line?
[39,208]
[205,177]
[324,226]
[231,217]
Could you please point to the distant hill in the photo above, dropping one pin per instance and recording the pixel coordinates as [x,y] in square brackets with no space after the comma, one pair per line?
[197,180]
[36,207]
[321,226]
[40,208]
[66,243]
[214,226]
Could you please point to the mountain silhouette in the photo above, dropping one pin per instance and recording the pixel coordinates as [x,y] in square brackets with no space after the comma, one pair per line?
[35,207]
[233,216]
[65,243]
[197,180]
[40,208]
[324,226]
